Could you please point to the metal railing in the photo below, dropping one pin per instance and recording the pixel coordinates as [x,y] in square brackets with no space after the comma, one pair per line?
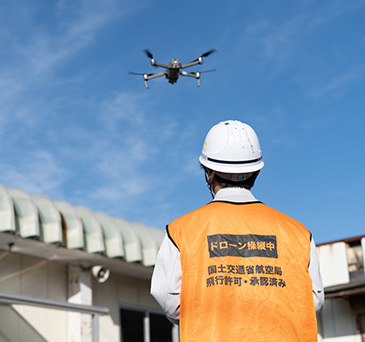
[94,311]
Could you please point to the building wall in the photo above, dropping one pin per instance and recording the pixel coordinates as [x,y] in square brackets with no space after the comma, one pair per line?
[38,278]
[337,322]
[116,292]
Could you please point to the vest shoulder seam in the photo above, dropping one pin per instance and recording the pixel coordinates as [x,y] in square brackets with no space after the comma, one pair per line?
[170,237]
[236,203]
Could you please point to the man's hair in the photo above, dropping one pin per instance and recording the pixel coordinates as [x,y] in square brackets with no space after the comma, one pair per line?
[247,183]
[224,183]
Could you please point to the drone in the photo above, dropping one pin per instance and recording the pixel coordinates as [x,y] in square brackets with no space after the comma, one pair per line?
[174,69]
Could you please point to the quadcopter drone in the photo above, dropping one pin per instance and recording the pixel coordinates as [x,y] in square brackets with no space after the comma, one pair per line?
[174,69]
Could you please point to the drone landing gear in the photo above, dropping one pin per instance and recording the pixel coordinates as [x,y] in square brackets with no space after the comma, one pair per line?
[192,74]
[147,77]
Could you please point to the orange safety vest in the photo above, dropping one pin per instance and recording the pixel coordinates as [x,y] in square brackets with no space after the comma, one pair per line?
[244,275]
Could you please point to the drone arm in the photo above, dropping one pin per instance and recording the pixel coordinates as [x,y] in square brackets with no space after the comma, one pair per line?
[147,77]
[151,76]
[192,74]
[154,63]
[196,62]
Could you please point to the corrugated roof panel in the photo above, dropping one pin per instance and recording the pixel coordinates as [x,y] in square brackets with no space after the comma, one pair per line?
[50,219]
[74,230]
[58,222]
[132,244]
[92,230]
[7,219]
[26,214]
[112,236]
[149,245]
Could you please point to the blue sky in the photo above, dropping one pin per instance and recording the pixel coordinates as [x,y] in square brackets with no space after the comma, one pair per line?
[75,126]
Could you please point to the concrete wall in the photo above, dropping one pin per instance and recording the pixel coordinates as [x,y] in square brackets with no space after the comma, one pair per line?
[38,278]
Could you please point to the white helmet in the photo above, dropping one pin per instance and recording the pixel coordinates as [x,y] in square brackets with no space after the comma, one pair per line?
[232,147]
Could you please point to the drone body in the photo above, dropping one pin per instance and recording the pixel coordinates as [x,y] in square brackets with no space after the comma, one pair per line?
[174,69]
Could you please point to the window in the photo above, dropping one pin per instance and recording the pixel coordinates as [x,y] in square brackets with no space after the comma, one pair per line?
[146,326]
[355,260]
[132,325]
[160,328]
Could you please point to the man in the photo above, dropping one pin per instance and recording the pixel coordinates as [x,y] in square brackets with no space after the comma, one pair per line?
[236,269]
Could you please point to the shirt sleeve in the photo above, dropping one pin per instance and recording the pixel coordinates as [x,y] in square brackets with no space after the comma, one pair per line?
[166,280]
[317,286]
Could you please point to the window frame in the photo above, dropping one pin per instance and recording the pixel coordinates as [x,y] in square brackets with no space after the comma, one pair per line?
[146,321]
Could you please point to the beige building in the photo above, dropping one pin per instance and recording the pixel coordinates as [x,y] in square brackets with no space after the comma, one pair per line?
[342,268]
[68,274]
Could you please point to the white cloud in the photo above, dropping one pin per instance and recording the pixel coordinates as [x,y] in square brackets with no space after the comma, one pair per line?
[191,166]
[76,29]
[119,155]
[125,106]
[33,49]
[277,45]
[337,84]
[127,157]
[38,172]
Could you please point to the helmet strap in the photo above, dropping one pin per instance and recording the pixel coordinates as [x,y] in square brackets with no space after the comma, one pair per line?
[209,181]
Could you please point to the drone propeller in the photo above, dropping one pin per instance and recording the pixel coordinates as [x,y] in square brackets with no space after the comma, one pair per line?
[206,54]
[197,73]
[148,53]
[210,70]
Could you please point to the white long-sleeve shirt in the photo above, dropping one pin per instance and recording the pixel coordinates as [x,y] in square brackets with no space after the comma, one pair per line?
[166,278]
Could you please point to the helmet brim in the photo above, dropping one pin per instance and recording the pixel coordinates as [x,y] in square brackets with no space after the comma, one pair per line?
[231,166]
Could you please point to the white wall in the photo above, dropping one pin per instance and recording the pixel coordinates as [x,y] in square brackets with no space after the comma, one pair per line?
[38,278]
[118,290]
[333,263]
